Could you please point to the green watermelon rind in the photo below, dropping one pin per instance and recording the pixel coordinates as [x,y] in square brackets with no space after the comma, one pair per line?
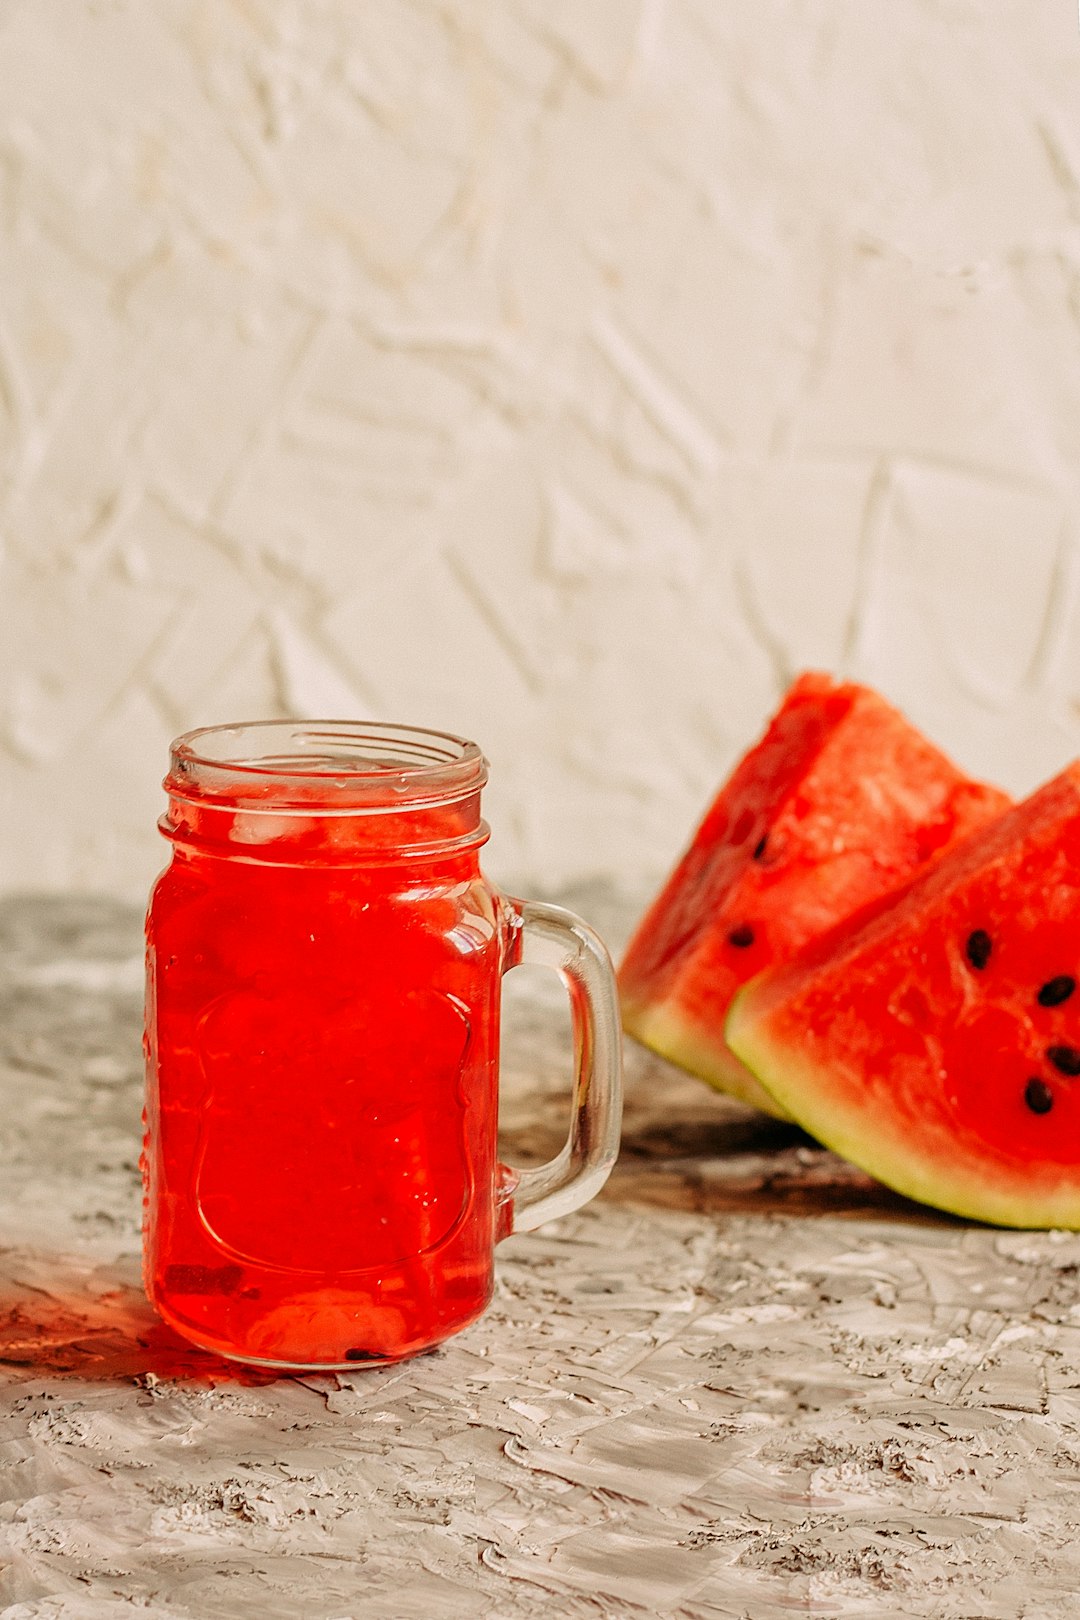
[677,1041]
[670,1003]
[808,1093]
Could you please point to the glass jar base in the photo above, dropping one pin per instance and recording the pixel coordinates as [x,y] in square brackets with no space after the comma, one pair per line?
[360,1364]
[295,1368]
[356,1362]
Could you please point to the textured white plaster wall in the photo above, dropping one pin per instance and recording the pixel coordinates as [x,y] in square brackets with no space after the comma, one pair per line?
[562,372]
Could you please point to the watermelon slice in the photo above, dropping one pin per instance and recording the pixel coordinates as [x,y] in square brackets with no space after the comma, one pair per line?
[937,1042]
[841,801]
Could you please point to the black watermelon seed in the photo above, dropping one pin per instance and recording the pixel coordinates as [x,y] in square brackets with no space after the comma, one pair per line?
[363,1355]
[1038,1096]
[741,937]
[1055,991]
[1065,1058]
[978,948]
[759,847]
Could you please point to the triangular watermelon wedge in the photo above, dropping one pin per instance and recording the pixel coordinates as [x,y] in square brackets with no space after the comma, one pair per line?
[841,800]
[936,1043]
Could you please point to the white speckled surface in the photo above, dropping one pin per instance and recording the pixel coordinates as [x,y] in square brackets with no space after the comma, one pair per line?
[744,1383]
[563,372]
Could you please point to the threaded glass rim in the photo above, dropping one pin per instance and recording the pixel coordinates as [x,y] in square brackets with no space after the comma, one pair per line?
[327,764]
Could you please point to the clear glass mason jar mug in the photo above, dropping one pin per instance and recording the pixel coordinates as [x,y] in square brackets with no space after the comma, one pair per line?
[324,962]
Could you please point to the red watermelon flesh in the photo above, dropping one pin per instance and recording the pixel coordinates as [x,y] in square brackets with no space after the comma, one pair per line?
[937,1043]
[841,801]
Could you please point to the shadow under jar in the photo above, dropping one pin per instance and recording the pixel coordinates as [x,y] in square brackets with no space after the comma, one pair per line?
[324,961]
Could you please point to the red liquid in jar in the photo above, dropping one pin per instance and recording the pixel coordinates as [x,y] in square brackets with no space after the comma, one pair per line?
[322,1099]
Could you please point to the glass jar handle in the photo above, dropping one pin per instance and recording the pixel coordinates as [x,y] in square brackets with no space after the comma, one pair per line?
[554,938]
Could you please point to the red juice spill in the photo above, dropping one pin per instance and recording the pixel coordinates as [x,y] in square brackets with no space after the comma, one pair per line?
[322,1098]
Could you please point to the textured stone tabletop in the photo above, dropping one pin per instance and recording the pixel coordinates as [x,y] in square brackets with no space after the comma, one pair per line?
[743,1383]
